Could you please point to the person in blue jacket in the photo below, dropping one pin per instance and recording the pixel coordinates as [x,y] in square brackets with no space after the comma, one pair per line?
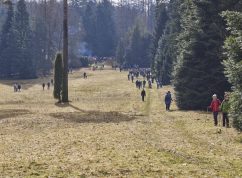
[168,100]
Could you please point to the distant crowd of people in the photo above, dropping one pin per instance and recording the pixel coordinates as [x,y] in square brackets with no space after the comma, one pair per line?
[147,76]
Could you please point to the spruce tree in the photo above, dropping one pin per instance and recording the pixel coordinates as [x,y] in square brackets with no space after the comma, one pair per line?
[137,51]
[233,63]
[7,45]
[58,76]
[89,23]
[199,72]
[161,18]
[166,54]
[120,52]
[105,30]
[133,56]
[40,50]
[26,64]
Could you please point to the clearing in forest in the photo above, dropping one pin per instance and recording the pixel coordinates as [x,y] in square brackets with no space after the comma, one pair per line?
[106,131]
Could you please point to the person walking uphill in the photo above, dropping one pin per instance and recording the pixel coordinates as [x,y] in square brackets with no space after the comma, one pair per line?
[168,100]
[214,106]
[143,95]
[43,86]
[225,106]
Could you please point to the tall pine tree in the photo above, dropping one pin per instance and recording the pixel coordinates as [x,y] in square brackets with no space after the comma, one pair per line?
[23,34]
[134,48]
[161,20]
[166,54]
[89,22]
[199,72]
[106,33]
[233,63]
[7,46]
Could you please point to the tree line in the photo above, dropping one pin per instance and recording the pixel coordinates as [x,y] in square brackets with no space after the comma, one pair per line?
[198,52]
[16,43]
[95,28]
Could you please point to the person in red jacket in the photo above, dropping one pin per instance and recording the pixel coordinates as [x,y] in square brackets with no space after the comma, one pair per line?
[214,106]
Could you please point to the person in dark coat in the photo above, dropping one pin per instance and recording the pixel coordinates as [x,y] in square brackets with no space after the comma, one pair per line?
[85,75]
[43,85]
[137,84]
[143,95]
[144,83]
[19,87]
[132,78]
[168,100]
[140,85]
[48,85]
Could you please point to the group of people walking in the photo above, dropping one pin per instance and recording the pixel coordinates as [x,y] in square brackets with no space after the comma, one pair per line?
[216,106]
[17,87]
[48,84]
[141,84]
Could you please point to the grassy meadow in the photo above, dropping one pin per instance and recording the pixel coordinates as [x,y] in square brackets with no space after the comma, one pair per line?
[106,131]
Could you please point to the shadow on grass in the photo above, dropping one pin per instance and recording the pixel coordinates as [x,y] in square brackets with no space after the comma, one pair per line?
[9,113]
[83,116]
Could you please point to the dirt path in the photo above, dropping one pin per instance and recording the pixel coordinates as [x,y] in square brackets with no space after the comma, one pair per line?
[106,131]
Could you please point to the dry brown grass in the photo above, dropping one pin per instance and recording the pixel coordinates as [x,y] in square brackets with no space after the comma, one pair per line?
[107,132]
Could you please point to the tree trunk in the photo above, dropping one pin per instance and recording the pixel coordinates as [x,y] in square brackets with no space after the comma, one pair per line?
[65,53]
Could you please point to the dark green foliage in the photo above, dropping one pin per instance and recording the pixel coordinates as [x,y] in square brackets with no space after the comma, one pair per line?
[120,52]
[16,44]
[40,50]
[233,64]
[100,28]
[199,72]
[23,37]
[133,56]
[58,76]
[105,30]
[134,49]
[89,22]
[166,54]
[145,49]
[160,20]
[7,46]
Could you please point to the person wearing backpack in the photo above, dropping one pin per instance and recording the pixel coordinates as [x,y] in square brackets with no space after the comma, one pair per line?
[214,106]
[225,106]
